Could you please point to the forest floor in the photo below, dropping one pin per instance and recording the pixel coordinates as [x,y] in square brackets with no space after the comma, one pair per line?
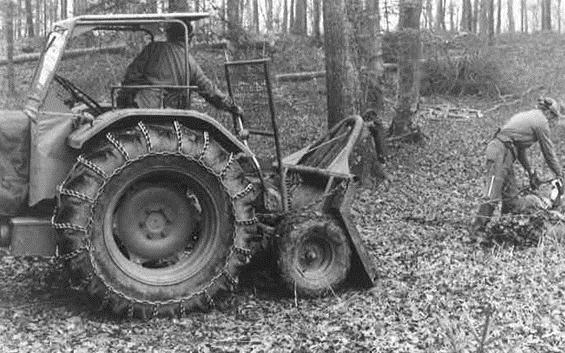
[437,290]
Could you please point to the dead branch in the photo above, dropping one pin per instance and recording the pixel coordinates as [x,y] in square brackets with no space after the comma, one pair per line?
[503,104]
[517,100]
[68,54]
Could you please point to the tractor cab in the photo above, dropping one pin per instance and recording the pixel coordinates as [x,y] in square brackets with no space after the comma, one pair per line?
[58,46]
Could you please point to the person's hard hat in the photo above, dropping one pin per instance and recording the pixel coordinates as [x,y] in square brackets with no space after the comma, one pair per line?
[549,104]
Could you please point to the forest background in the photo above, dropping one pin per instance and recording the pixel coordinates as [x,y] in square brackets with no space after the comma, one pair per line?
[437,290]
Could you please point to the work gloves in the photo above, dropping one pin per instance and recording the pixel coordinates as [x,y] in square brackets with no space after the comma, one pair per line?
[236,110]
[230,106]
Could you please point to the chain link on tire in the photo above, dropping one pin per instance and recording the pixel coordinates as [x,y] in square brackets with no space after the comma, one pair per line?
[314,256]
[104,161]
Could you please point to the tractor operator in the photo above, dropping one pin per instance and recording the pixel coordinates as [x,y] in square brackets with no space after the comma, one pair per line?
[163,63]
[510,143]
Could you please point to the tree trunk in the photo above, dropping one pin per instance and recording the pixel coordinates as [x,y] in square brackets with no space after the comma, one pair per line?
[370,61]
[440,16]
[269,10]
[64,7]
[546,15]
[475,16]
[408,66]
[285,17]
[558,16]
[510,8]
[29,19]
[524,16]
[451,16]
[233,17]
[45,17]
[429,14]
[316,15]
[255,5]
[387,23]
[466,16]
[299,17]
[343,87]
[291,16]
[490,21]
[483,19]
[499,17]
[9,37]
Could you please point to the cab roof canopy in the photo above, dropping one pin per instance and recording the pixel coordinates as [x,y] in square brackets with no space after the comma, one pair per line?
[144,22]
[122,19]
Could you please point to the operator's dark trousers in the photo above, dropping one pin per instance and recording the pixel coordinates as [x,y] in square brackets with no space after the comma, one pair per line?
[500,181]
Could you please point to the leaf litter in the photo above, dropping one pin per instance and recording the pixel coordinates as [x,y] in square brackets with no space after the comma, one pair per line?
[436,290]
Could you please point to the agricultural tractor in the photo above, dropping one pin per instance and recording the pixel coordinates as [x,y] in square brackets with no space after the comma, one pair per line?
[155,212]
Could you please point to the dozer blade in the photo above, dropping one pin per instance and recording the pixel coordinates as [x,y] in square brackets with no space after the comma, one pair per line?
[321,167]
[363,271]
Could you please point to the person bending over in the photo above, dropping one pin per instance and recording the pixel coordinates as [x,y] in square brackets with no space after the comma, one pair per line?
[510,143]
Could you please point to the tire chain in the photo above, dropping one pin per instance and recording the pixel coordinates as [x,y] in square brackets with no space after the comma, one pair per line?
[61,260]
[295,216]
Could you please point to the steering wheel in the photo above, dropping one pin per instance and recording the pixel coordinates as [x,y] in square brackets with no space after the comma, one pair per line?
[79,95]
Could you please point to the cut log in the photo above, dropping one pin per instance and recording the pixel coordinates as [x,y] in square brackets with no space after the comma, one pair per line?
[310,75]
[300,76]
[68,54]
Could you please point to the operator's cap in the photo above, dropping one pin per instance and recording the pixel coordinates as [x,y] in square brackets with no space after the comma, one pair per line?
[549,104]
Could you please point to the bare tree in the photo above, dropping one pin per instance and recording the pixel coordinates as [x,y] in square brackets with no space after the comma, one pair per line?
[9,37]
[64,9]
[408,88]
[484,18]
[269,14]
[546,15]
[285,17]
[292,18]
[316,16]
[490,21]
[428,14]
[233,16]
[29,19]
[499,17]
[387,23]
[466,16]
[475,15]
[451,16]
[510,8]
[370,55]
[558,16]
[440,15]
[343,87]
[255,5]
[299,17]
[523,16]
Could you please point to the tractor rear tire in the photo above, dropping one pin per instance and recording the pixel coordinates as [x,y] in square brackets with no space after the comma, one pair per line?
[314,257]
[155,220]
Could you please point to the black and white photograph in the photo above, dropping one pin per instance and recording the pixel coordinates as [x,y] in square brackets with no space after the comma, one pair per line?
[256,176]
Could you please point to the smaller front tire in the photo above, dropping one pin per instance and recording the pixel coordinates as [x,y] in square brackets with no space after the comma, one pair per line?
[314,257]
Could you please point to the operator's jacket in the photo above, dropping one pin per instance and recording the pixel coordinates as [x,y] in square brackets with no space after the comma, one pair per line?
[163,63]
[510,143]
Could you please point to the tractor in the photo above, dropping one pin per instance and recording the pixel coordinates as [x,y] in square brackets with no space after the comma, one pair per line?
[154,212]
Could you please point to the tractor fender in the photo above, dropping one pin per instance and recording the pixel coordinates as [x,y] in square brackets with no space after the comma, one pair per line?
[189,118]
